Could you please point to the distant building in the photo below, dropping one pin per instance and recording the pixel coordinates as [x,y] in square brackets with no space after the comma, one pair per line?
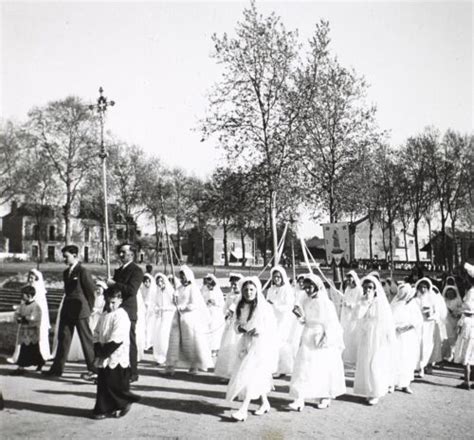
[208,248]
[360,242]
[444,250]
[29,228]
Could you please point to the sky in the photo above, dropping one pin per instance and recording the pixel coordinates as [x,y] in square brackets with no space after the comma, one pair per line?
[153,59]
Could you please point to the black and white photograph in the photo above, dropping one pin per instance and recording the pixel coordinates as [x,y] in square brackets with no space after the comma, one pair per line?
[236,219]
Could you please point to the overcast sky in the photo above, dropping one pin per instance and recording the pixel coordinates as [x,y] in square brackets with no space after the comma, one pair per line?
[154,60]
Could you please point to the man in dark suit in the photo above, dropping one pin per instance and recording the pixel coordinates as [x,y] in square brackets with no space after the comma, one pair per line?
[78,303]
[128,278]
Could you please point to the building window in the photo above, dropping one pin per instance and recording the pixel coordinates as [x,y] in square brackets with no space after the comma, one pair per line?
[52,233]
[51,253]
[34,251]
[87,233]
[120,234]
[35,232]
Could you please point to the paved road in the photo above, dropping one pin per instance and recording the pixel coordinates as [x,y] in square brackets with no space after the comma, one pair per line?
[193,407]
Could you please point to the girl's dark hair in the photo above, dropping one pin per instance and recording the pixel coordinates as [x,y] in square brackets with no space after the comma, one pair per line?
[28,290]
[113,292]
[253,305]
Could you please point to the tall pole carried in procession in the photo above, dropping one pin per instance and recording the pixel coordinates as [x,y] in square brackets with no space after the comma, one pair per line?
[101,107]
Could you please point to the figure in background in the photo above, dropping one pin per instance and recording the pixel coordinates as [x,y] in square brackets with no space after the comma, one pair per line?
[374,370]
[429,308]
[189,344]
[441,336]
[148,290]
[227,355]
[464,348]
[281,296]
[214,299]
[35,279]
[28,316]
[319,371]
[454,306]
[350,306]
[408,321]
[164,318]
[257,350]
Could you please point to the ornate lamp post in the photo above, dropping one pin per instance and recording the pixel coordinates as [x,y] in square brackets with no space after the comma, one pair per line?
[101,107]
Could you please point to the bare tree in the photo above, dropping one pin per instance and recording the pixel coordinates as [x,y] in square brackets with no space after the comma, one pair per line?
[67,131]
[249,109]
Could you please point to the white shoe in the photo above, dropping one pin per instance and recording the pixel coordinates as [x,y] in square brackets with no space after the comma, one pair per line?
[325,403]
[262,410]
[297,405]
[240,415]
[373,401]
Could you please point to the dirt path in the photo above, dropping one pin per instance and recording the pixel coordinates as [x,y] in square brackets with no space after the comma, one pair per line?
[193,407]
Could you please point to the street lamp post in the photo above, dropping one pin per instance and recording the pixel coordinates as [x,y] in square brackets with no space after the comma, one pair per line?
[101,107]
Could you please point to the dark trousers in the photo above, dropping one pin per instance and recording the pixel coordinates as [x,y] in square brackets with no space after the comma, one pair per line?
[113,390]
[133,349]
[65,333]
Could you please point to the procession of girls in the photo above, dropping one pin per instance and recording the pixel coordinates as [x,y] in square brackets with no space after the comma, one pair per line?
[308,332]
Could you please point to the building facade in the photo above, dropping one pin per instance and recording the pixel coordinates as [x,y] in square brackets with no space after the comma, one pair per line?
[39,232]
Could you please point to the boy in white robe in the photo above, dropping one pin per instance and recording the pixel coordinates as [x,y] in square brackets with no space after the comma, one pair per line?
[112,359]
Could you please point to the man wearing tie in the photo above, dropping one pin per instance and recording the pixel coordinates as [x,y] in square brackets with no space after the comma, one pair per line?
[78,303]
[128,278]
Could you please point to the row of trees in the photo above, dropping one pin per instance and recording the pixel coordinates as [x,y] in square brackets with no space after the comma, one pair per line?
[296,129]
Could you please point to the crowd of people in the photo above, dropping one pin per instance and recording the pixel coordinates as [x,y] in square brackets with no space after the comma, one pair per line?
[308,331]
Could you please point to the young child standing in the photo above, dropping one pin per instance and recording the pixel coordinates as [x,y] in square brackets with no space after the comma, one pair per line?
[28,315]
[112,359]
[464,348]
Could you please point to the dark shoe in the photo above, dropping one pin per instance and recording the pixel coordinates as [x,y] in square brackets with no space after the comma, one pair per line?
[99,416]
[89,376]
[51,373]
[125,411]
[39,368]
[134,378]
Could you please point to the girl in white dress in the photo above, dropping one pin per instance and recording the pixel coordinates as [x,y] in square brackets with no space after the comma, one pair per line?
[281,296]
[454,306]
[374,371]
[319,371]
[214,299]
[464,349]
[148,292]
[35,279]
[252,375]
[428,303]
[352,298]
[408,321]
[164,317]
[227,355]
[189,344]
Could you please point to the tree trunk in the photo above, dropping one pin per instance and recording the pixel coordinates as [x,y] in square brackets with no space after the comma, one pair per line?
[415,234]
[405,242]
[371,230]
[67,222]
[242,239]
[273,218]
[390,244]
[429,239]
[226,256]
[455,246]
[265,235]
[444,256]
[157,237]
[203,248]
